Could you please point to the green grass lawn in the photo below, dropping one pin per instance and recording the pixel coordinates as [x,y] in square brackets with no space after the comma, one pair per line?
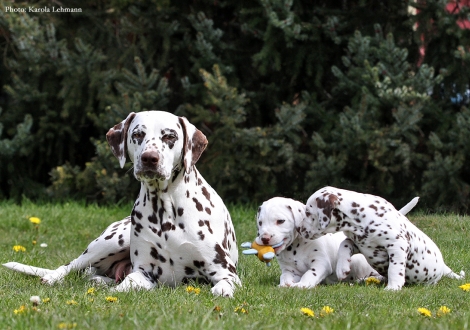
[259,304]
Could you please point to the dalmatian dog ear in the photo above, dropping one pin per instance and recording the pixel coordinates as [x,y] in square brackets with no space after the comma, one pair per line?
[195,143]
[117,139]
[325,206]
[298,213]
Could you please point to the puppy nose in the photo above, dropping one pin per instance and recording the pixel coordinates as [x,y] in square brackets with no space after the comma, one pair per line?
[150,158]
[265,240]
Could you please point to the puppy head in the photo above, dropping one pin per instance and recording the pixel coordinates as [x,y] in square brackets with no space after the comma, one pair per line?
[158,143]
[279,220]
[320,216]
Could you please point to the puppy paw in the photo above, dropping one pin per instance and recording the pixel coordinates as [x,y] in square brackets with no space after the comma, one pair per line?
[286,284]
[392,288]
[343,269]
[303,285]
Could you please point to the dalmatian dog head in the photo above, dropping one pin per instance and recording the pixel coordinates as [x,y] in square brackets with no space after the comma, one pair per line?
[278,221]
[321,215]
[158,143]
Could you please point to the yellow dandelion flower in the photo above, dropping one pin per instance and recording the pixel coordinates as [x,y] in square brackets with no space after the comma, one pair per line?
[34,242]
[465,287]
[64,325]
[111,299]
[372,280]
[91,291]
[241,309]
[19,248]
[326,310]
[46,300]
[425,312]
[71,302]
[20,310]
[191,289]
[307,311]
[443,310]
[35,220]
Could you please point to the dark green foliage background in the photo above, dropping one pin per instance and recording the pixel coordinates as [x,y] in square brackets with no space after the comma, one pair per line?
[293,95]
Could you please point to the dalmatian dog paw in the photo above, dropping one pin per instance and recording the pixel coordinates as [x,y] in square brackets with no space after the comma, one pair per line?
[343,268]
[223,288]
[134,281]
[392,288]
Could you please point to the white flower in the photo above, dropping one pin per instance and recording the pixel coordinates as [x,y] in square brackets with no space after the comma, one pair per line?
[43,245]
[35,300]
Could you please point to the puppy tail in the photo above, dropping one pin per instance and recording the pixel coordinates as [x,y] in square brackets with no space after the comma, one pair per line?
[408,207]
[26,269]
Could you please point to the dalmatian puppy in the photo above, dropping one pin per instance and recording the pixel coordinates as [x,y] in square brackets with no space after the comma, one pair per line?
[179,227]
[306,263]
[391,244]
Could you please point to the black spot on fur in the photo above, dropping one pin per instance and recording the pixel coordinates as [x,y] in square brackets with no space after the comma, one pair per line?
[220,256]
[110,236]
[154,253]
[198,264]
[180,211]
[198,205]
[153,218]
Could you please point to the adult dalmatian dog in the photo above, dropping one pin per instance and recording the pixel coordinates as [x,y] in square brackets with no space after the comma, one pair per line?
[306,263]
[392,245]
[179,227]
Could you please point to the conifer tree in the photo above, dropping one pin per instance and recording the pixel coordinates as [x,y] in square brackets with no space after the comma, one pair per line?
[374,143]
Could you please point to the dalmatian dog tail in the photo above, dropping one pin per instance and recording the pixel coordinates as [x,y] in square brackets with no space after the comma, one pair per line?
[29,270]
[408,207]
[449,273]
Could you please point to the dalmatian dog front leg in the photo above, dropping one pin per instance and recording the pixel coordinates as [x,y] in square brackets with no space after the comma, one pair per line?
[314,276]
[346,250]
[396,269]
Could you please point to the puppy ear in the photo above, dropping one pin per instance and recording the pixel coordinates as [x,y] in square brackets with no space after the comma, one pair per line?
[195,143]
[298,213]
[325,206]
[117,139]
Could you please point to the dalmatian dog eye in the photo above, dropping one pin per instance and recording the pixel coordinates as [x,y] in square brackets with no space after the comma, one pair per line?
[138,135]
[280,222]
[169,137]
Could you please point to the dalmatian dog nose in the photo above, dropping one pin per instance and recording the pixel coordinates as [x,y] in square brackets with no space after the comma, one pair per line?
[150,158]
[265,240]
